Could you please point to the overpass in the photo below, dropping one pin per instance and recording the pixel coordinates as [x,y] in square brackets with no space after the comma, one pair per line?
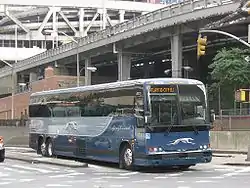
[71,17]
[172,15]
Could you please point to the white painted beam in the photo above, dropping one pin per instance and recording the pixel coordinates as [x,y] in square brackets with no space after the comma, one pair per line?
[117,5]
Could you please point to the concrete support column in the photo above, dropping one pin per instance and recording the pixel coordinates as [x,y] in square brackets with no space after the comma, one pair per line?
[121,15]
[33,77]
[124,66]
[248,33]
[81,22]
[87,72]
[176,54]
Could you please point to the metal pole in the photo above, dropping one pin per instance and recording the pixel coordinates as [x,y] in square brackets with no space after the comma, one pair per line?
[13,77]
[77,66]
[227,34]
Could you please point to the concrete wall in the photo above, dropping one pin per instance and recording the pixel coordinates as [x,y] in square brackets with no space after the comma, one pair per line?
[15,136]
[230,140]
[223,140]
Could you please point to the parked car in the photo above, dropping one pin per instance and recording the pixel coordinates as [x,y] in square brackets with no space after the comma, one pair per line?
[2,149]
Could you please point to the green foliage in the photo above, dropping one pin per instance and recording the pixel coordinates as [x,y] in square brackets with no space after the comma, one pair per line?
[230,71]
[231,68]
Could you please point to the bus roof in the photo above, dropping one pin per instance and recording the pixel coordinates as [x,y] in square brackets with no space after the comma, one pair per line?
[120,84]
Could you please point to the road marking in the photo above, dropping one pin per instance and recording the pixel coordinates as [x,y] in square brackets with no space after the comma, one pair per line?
[30,168]
[217,177]
[8,179]
[95,166]
[161,177]
[66,175]
[247,169]
[180,181]
[203,181]
[116,186]
[177,174]
[26,180]
[183,187]
[4,183]
[76,181]
[128,174]
[140,181]
[3,174]
[15,170]
[58,185]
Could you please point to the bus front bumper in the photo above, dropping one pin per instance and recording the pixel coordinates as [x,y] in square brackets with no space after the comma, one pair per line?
[175,159]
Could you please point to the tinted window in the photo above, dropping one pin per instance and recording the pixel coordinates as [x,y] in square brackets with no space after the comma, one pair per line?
[39,111]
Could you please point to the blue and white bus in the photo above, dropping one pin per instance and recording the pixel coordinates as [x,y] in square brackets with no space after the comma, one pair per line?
[144,122]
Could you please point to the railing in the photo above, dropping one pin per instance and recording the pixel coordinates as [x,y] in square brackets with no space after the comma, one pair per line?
[13,122]
[233,119]
[155,16]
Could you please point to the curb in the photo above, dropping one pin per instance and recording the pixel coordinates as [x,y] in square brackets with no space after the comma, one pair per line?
[229,152]
[84,165]
[237,164]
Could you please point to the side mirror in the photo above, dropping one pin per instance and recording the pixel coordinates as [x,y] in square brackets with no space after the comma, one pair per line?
[212,116]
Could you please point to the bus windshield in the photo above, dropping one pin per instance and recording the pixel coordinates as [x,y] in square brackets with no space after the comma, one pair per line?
[183,106]
[193,105]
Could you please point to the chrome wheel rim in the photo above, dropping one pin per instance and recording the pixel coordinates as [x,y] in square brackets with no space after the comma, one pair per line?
[43,148]
[50,149]
[128,157]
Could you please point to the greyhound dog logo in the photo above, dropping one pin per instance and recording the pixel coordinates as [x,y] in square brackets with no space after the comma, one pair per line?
[182,140]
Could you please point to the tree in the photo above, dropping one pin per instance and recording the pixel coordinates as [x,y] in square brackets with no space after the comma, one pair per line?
[230,71]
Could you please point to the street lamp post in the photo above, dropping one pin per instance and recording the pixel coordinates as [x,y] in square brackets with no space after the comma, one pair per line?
[77,53]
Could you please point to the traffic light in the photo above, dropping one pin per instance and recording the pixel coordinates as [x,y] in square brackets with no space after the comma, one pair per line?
[242,95]
[201,45]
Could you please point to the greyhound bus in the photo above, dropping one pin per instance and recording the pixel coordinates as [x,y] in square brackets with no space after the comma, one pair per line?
[143,122]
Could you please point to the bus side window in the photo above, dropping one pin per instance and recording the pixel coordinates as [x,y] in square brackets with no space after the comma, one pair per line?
[59,111]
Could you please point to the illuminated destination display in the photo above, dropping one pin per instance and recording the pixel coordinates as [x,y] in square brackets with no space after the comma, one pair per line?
[162,89]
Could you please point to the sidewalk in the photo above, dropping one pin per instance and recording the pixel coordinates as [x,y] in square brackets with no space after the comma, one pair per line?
[231,159]
[30,156]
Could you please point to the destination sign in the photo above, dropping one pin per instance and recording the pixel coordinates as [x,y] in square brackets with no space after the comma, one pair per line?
[162,89]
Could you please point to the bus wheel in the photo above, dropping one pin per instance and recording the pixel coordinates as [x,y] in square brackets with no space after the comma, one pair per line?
[126,158]
[49,148]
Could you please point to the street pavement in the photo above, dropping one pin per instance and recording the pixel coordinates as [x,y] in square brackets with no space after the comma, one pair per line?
[15,173]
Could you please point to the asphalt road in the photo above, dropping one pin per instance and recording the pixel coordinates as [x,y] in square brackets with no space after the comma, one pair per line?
[14,174]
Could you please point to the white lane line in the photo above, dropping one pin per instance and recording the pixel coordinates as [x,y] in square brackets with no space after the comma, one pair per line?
[94,166]
[30,168]
[183,187]
[140,181]
[128,173]
[203,181]
[8,179]
[217,177]
[26,180]
[247,169]
[3,174]
[5,183]
[66,175]
[76,181]
[160,177]
[116,186]
[177,174]
[58,185]
[14,170]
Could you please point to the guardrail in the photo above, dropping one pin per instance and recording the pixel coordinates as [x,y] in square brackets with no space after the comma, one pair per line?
[155,16]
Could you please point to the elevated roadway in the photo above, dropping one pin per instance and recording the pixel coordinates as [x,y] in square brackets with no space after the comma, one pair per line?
[170,16]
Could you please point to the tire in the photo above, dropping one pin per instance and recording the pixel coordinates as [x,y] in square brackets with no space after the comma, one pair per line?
[49,148]
[39,144]
[2,159]
[126,158]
